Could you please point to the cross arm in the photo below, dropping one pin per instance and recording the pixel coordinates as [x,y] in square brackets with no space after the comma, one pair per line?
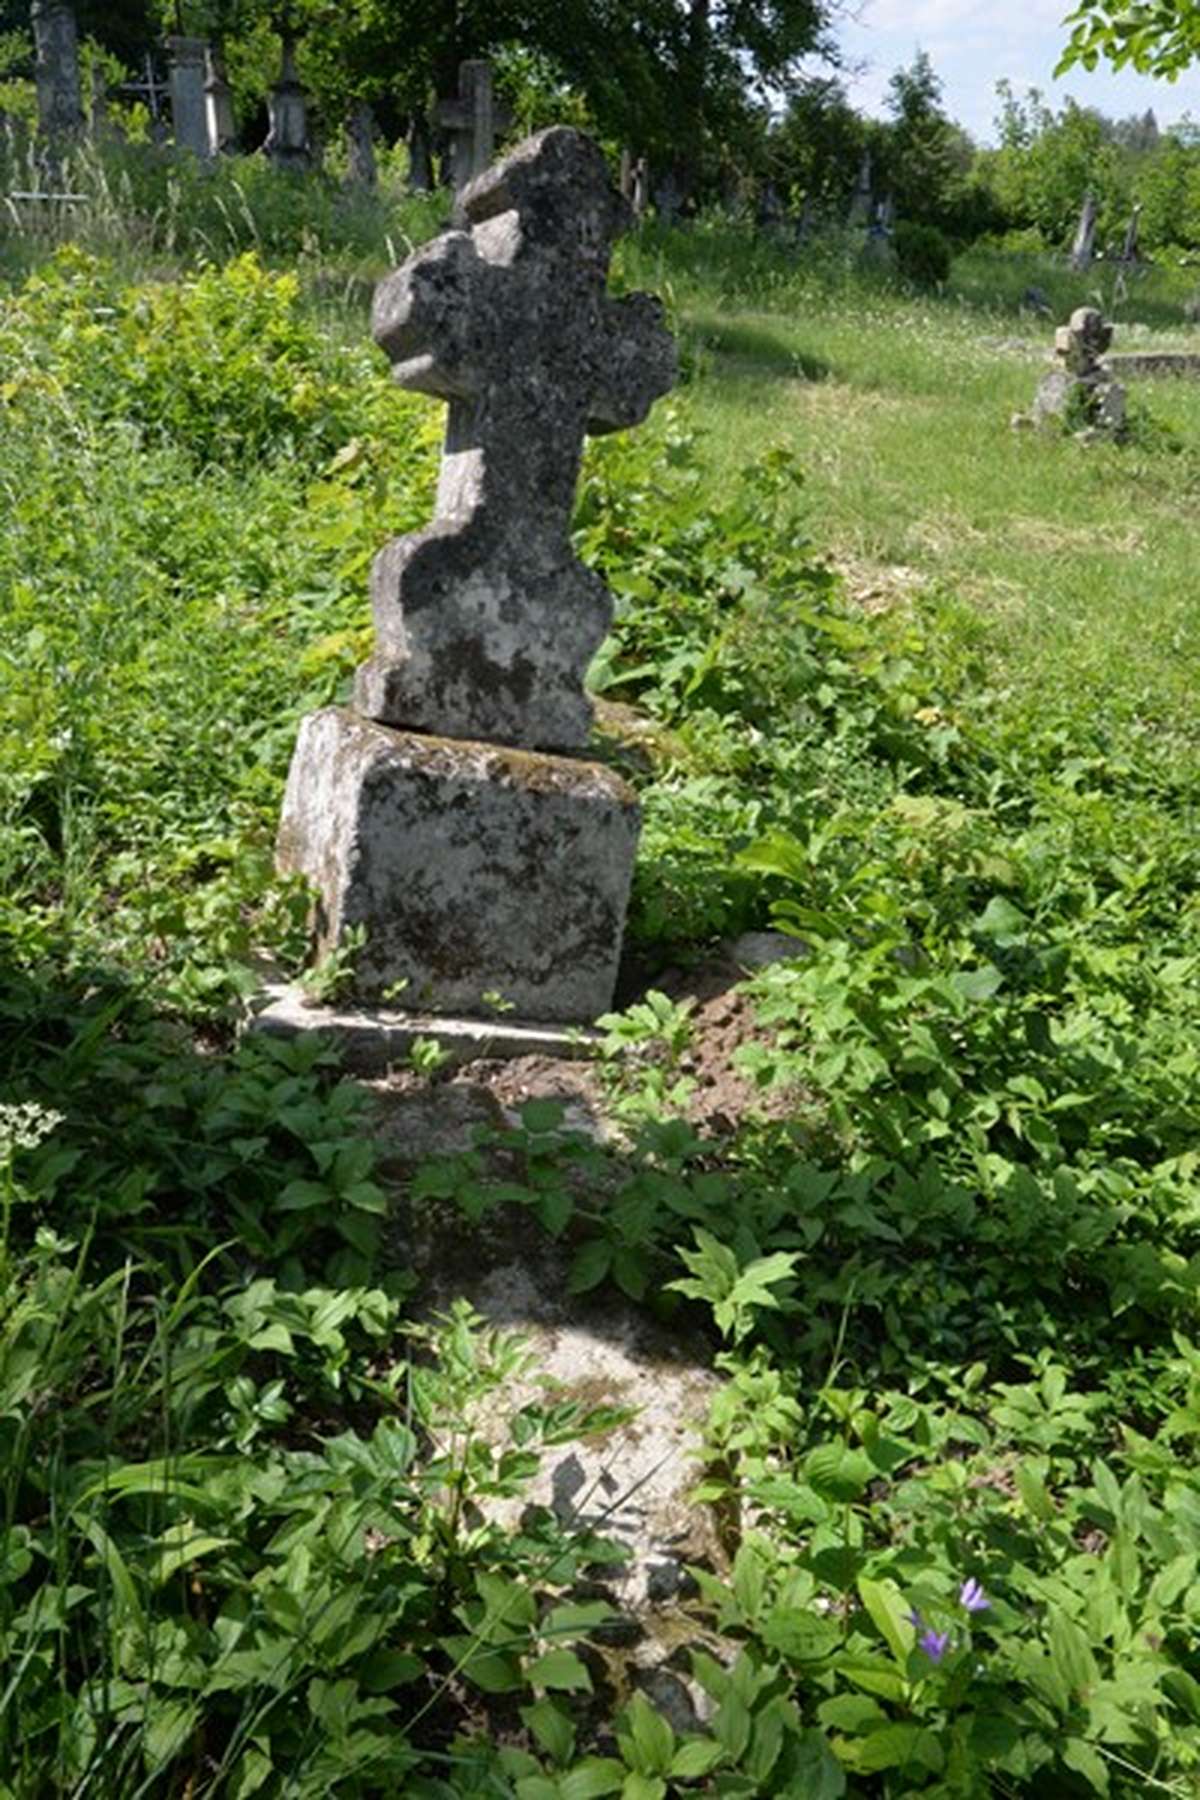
[637,363]
[425,317]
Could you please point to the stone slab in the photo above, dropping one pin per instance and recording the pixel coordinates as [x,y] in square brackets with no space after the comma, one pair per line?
[475,869]
[1182,364]
[373,1040]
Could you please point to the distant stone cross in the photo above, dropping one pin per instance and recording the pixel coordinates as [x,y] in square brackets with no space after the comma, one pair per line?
[485,620]
[474,121]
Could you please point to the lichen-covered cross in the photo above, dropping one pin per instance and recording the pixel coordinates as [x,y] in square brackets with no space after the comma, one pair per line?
[485,620]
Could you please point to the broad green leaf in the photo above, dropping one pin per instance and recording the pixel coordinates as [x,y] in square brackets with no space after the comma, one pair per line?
[748,1580]
[538,1787]
[1003,922]
[1034,1496]
[731,1724]
[896,1747]
[799,1637]
[884,1603]
[1071,1655]
[978,984]
[301,1196]
[589,1266]
[1086,1761]
[539,1116]
[643,1787]
[647,1742]
[552,1728]
[123,1585]
[508,1602]
[577,1617]
[593,1778]
[182,1544]
[874,1676]
[838,1472]
[851,1712]
[817,1771]
[387,1669]
[167,1729]
[696,1757]
[560,1669]
[253,1768]
[629,1273]
[494,1671]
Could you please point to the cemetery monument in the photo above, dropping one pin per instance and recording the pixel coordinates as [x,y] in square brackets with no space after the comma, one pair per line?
[56,71]
[473,122]
[1079,391]
[448,814]
[1084,246]
[287,144]
[189,115]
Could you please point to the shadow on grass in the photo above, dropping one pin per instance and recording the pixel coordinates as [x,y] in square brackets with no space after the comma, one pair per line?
[758,349]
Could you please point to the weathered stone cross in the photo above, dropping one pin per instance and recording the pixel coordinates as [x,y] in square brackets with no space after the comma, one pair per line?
[485,620]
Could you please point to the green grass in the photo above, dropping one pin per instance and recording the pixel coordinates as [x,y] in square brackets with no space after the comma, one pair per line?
[899,412]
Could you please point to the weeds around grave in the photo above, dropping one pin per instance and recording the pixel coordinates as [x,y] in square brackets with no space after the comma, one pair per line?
[245,1544]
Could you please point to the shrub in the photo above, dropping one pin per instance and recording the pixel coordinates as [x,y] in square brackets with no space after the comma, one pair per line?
[922,254]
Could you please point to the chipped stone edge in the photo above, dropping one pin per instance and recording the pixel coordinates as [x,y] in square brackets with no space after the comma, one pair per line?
[373,1039]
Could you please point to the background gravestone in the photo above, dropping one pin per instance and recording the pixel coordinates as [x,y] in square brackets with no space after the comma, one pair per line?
[1078,391]
[431,816]
[56,70]
[287,144]
[473,122]
[220,128]
[189,121]
[361,169]
[1083,248]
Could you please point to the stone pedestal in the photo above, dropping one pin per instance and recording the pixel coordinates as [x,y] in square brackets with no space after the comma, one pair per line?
[189,121]
[474,869]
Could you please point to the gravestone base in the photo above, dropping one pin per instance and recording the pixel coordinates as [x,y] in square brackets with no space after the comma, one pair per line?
[374,1040]
[482,876]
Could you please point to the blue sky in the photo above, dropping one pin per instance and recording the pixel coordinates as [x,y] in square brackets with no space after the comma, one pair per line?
[974,43]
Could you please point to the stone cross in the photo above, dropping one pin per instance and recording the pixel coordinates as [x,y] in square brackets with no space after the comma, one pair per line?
[474,121]
[1079,391]
[56,41]
[1085,234]
[434,820]
[485,620]
[1081,343]
[189,123]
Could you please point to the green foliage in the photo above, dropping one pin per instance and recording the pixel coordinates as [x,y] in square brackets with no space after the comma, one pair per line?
[1161,39]
[196,479]
[246,1537]
[922,254]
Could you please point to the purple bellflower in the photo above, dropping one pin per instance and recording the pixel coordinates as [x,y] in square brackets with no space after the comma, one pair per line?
[934,1643]
[972,1596]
